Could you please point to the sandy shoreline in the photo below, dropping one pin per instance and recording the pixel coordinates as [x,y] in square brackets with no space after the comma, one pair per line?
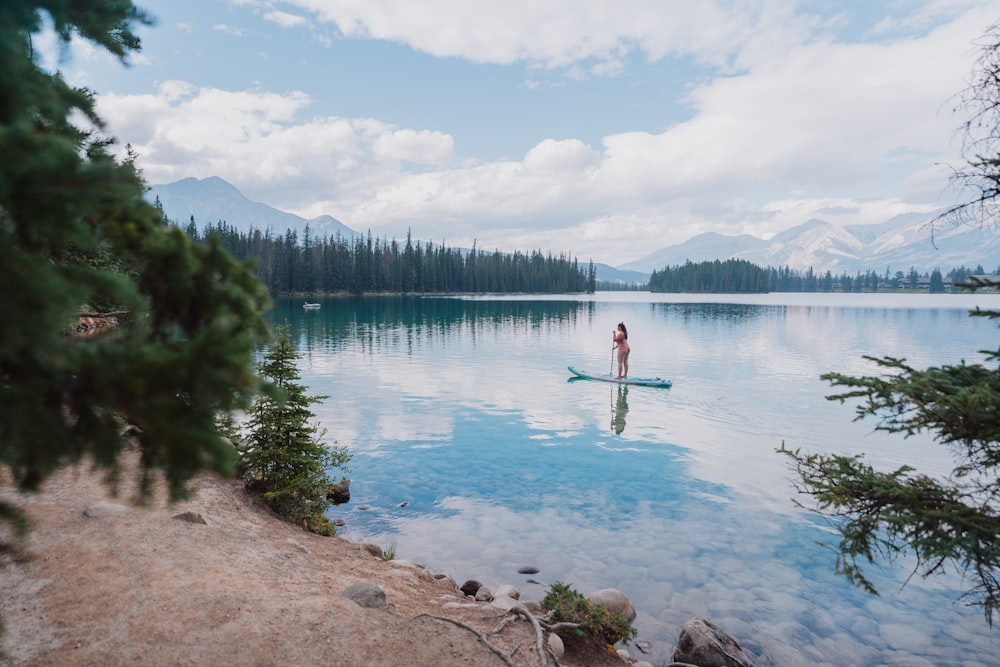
[141,586]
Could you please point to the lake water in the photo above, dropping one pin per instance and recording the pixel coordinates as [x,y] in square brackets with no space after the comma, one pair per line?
[477,456]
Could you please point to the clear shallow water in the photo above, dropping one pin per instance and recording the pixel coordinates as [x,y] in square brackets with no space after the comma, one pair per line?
[462,410]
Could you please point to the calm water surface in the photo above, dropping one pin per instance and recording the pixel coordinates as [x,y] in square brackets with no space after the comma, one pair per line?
[478,456]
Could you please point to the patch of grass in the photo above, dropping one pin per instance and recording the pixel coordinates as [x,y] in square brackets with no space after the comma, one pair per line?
[389,553]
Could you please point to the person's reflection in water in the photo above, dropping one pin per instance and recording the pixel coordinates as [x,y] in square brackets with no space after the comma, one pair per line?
[620,410]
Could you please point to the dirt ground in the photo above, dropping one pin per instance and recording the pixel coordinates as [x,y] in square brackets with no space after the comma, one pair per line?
[143,587]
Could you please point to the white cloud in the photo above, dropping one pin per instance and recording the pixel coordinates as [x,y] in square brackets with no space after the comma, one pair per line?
[414,146]
[560,157]
[263,141]
[556,33]
[786,213]
[49,51]
[791,123]
[286,20]
[828,117]
[73,59]
[921,16]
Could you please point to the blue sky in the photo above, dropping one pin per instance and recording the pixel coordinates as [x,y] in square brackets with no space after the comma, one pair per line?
[605,129]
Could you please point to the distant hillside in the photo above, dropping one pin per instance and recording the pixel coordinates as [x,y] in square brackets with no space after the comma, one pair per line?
[211,200]
[896,245]
[610,274]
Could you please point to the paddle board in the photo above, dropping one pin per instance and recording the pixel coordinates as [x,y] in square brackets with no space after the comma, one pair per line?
[642,382]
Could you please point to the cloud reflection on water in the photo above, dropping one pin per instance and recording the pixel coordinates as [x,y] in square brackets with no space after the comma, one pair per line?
[461,409]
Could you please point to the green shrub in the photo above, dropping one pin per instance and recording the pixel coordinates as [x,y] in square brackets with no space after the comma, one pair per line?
[566,605]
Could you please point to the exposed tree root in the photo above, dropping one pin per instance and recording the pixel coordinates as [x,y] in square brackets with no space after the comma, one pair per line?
[471,629]
[540,644]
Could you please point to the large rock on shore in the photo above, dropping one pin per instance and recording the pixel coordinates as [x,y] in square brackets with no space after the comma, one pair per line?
[614,600]
[703,644]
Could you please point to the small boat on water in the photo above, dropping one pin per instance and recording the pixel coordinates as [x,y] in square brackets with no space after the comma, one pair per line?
[310,306]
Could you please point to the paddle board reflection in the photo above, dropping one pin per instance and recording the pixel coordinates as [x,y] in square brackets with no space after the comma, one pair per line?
[619,409]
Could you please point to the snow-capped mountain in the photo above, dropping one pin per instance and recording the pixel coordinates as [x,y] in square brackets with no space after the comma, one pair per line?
[895,245]
[211,200]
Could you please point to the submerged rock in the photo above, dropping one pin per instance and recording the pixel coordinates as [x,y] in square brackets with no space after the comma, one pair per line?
[339,493]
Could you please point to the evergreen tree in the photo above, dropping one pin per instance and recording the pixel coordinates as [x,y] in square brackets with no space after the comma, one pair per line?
[308,278]
[185,349]
[321,264]
[732,275]
[191,230]
[954,521]
[810,282]
[937,282]
[872,281]
[283,456]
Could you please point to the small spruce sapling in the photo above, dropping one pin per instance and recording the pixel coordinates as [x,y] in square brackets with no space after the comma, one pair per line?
[283,456]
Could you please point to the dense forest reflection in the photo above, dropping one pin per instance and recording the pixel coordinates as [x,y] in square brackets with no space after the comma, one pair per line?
[380,321]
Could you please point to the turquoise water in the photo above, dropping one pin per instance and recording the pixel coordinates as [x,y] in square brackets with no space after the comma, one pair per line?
[476,455]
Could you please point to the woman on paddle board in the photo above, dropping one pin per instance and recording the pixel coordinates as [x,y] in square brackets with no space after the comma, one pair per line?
[620,338]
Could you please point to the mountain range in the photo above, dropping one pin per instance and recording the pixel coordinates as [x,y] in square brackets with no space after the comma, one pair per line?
[904,242]
[898,244]
[212,200]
